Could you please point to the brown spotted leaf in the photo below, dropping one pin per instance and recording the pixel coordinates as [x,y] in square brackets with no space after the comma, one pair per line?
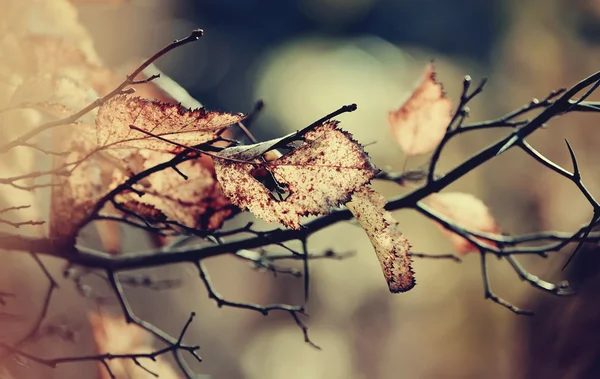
[419,125]
[170,121]
[466,211]
[195,202]
[319,175]
[391,247]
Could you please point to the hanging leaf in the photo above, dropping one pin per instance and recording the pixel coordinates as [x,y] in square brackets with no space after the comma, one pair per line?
[317,176]
[391,247]
[419,125]
[466,211]
[167,120]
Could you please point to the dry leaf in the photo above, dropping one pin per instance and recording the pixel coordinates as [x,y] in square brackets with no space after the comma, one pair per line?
[196,202]
[41,81]
[466,211]
[320,174]
[170,121]
[391,247]
[76,188]
[112,335]
[419,125]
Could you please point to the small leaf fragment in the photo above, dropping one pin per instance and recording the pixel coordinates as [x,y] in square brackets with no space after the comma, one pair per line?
[391,247]
[419,125]
[319,175]
[172,121]
[468,212]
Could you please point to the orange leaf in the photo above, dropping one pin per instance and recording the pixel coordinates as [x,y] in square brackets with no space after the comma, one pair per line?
[468,212]
[419,125]
[318,175]
[391,247]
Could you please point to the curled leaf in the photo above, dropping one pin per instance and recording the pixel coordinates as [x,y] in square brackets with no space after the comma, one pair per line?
[195,201]
[172,121]
[466,211]
[391,247]
[318,175]
[419,125]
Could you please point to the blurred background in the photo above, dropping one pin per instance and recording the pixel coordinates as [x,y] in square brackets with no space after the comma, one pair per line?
[306,58]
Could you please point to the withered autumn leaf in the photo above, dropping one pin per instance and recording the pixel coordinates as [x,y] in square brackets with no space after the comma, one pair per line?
[195,202]
[419,125]
[468,212]
[391,247]
[320,174]
[172,121]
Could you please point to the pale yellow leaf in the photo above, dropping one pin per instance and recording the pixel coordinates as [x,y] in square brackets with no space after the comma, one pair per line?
[419,125]
[171,121]
[466,211]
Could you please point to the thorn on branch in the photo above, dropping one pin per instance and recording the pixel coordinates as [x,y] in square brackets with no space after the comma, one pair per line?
[305,258]
[586,233]
[585,96]
[576,172]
